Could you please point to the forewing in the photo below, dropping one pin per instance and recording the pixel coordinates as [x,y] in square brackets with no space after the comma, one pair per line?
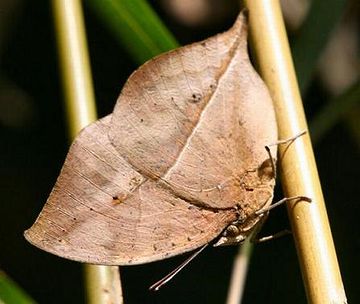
[199,118]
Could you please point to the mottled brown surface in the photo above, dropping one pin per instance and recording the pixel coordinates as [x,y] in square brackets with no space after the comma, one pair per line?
[165,172]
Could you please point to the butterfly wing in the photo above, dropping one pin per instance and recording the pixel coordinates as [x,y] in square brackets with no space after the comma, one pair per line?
[102,211]
[199,117]
[163,173]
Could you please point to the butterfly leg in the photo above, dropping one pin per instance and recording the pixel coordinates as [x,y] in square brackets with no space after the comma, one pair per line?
[280,142]
[264,212]
[282,201]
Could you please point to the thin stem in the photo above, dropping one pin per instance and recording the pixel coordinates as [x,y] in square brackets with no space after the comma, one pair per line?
[103,282]
[239,272]
[310,226]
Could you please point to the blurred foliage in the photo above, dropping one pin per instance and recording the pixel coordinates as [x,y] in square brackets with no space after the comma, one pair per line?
[313,36]
[333,111]
[136,26]
[11,293]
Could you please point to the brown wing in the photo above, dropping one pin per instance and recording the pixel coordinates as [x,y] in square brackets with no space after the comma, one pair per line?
[160,176]
[102,211]
[198,117]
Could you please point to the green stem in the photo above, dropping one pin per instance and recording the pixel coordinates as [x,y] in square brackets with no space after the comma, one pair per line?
[103,285]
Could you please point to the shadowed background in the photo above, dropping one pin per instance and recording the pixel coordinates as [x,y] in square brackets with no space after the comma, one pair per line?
[34,145]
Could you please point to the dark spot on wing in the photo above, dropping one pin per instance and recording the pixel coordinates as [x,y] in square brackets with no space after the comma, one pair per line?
[195,98]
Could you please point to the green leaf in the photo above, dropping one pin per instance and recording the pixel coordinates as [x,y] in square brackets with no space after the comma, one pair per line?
[136,26]
[11,293]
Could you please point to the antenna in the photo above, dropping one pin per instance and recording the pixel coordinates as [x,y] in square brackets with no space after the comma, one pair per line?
[156,286]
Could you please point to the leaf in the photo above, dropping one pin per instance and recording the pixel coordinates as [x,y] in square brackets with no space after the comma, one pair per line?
[11,293]
[136,26]
[180,159]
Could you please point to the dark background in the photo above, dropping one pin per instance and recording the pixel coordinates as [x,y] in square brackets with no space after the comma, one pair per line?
[34,145]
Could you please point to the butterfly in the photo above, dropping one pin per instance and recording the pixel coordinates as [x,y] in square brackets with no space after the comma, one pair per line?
[179,163]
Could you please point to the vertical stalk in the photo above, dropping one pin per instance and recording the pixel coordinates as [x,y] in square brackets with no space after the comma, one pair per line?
[102,282]
[314,243]
[239,273]
[75,66]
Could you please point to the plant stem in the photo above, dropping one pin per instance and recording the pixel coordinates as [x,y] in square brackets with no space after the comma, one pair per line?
[103,285]
[310,225]
[239,273]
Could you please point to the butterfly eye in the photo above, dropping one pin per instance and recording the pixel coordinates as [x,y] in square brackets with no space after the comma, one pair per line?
[232,231]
